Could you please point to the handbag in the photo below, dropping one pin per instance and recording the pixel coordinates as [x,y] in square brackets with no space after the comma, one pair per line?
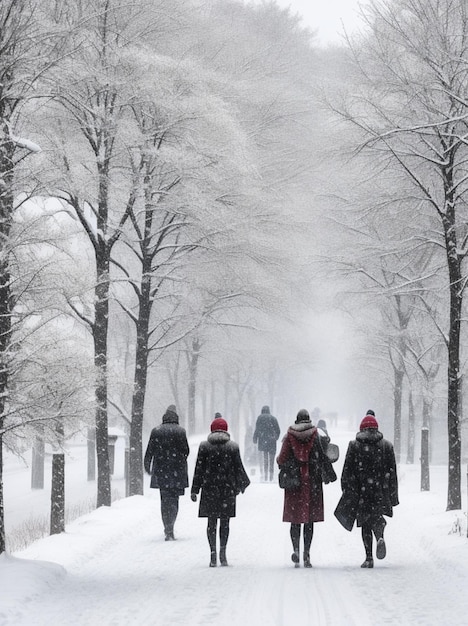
[289,476]
[333,452]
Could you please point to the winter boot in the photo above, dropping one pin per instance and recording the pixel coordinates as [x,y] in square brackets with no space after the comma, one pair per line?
[295,558]
[222,557]
[381,550]
[307,562]
[213,562]
[368,563]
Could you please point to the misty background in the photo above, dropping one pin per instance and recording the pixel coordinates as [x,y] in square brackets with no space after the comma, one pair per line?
[202,203]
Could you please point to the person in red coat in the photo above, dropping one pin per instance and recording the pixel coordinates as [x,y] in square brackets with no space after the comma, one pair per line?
[304,505]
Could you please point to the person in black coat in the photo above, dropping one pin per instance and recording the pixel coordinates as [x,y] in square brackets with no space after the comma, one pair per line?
[370,486]
[166,461]
[266,434]
[220,475]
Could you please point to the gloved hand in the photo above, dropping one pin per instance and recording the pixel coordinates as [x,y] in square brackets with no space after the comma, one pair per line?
[194,497]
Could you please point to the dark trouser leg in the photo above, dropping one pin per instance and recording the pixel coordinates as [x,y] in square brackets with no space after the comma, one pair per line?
[295,533]
[165,511]
[378,528]
[366,532]
[211,534]
[265,466]
[223,539]
[308,534]
[169,510]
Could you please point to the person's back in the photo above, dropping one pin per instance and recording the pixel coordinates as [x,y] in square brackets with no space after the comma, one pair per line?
[266,434]
[370,486]
[220,476]
[166,461]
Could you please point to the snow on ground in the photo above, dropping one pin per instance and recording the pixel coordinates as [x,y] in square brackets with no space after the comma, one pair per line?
[112,567]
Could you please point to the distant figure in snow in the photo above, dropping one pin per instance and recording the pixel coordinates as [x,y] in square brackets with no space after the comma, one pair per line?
[304,445]
[166,461]
[370,486]
[220,475]
[266,434]
[322,425]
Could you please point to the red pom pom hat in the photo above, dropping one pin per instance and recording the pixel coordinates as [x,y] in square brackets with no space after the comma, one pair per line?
[368,422]
[219,424]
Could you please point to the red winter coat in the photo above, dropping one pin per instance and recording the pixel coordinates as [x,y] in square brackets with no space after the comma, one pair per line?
[306,504]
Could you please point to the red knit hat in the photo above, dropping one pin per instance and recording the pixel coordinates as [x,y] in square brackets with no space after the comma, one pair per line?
[219,424]
[368,422]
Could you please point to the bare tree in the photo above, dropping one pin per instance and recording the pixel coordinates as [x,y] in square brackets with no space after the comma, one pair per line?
[27,51]
[412,112]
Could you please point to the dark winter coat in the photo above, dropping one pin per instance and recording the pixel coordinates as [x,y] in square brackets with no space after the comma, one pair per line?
[220,475]
[369,480]
[267,431]
[166,455]
[305,504]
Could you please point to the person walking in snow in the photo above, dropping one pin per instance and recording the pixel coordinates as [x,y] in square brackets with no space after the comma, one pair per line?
[304,446]
[220,476]
[266,434]
[370,487]
[166,461]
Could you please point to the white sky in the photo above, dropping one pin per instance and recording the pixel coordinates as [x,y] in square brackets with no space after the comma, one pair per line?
[327,16]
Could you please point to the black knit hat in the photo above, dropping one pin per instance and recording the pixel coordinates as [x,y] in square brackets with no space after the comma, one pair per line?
[302,416]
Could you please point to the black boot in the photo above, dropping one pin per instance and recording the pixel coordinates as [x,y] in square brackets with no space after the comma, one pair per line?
[222,556]
[368,563]
[381,550]
[295,533]
[211,534]
[307,562]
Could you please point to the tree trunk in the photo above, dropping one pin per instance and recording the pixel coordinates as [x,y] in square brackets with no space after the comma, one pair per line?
[213,399]
[91,444]
[2,507]
[453,373]
[411,430]
[425,477]
[6,215]
[192,385]
[101,322]
[397,398]
[37,464]
[57,496]
[139,388]
[173,376]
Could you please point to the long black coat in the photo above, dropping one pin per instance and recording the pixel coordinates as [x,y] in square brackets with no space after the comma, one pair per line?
[267,431]
[220,475]
[369,480]
[166,457]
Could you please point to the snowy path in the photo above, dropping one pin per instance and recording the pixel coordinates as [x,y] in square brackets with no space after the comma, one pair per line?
[137,578]
[121,572]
